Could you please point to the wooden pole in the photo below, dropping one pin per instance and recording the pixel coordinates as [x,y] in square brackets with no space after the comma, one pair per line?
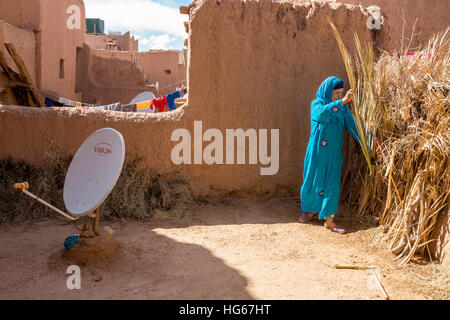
[12,75]
[95,222]
[386,296]
[24,73]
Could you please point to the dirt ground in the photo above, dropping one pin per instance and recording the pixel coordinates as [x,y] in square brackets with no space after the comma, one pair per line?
[228,249]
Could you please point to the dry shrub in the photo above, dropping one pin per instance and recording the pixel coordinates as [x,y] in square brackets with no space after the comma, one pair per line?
[46,182]
[137,193]
[411,186]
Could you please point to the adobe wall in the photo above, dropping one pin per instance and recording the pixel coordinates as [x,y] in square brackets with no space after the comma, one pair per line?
[58,42]
[155,62]
[105,77]
[432,17]
[125,42]
[251,65]
[259,66]
[96,41]
[47,19]
[21,13]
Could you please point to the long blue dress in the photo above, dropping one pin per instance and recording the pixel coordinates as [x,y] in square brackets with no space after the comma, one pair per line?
[320,192]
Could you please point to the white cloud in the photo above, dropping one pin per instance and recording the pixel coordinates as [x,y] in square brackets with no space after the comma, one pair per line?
[156,42]
[137,16]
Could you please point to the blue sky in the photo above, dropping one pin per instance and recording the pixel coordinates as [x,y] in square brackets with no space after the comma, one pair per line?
[157,24]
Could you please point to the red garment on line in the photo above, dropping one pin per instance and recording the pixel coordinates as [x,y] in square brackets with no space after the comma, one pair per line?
[160,103]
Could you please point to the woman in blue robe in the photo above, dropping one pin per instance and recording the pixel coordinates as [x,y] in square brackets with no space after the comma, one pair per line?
[330,115]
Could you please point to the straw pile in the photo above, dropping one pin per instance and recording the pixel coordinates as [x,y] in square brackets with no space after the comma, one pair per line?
[408,109]
[137,193]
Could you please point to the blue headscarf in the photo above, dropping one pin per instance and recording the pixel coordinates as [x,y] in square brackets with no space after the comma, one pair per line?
[325,91]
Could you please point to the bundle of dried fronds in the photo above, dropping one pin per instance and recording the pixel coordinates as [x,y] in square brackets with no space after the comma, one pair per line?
[411,186]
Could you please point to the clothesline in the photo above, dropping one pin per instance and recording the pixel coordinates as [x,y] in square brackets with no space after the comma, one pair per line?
[172,84]
[148,106]
[137,87]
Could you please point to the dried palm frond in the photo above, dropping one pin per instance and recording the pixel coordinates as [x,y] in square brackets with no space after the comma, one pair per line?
[364,104]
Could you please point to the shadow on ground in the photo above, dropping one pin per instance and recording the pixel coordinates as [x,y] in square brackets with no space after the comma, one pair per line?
[150,266]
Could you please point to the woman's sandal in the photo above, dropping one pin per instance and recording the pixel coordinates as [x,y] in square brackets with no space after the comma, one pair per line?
[336,228]
[304,217]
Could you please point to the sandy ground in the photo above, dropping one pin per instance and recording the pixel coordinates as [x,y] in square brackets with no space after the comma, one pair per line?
[231,249]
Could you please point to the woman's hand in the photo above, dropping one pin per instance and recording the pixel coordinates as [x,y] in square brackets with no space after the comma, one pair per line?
[348,96]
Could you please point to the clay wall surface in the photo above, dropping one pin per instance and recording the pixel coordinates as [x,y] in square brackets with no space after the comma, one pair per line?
[259,66]
[105,77]
[96,41]
[124,42]
[58,42]
[155,62]
[432,17]
[21,13]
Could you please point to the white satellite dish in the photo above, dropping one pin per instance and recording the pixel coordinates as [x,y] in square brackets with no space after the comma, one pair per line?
[94,171]
[92,175]
[144,96]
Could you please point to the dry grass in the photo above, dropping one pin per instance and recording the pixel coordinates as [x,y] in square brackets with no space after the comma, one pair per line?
[137,193]
[46,182]
[408,108]
[432,279]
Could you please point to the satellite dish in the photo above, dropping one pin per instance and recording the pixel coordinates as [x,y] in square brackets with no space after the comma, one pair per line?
[94,171]
[144,96]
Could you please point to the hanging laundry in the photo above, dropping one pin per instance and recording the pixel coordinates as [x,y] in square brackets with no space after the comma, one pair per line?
[160,103]
[64,101]
[97,108]
[127,108]
[171,99]
[112,107]
[175,95]
[49,102]
[146,106]
[52,103]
